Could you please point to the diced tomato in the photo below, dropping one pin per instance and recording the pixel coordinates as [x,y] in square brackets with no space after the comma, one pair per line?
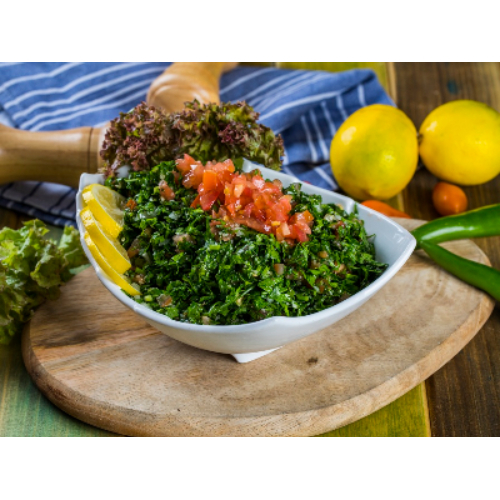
[208,199]
[166,192]
[194,177]
[248,209]
[277,213]
[279,234]
[262,201]
[131,204]
[238,190]
[248,192]
[210,180]
[184,164]
[259,214]
[251,223]
[300,234]
[228,165]
[271,188]
[305,228]
[258,181]
[308,217]
[221,214]
[304,217]
[196,202]
[245,199]
[285,202]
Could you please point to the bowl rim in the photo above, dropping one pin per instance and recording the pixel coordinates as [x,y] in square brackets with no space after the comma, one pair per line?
[164,320]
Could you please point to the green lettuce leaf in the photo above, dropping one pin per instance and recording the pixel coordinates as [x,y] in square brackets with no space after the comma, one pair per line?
[32,269]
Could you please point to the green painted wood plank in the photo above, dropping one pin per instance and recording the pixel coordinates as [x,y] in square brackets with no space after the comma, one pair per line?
[408,416]
[24,411]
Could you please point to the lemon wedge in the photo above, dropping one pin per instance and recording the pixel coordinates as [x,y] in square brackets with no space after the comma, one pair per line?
[104,203]
[110,248]
[115,277]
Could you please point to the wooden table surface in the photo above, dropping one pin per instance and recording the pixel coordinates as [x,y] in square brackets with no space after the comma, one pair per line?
[461,399]
[464,396]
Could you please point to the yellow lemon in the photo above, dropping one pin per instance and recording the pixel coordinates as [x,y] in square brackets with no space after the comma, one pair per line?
[460,142]
[110,248]
[115,277]
[374,154]
[105,205]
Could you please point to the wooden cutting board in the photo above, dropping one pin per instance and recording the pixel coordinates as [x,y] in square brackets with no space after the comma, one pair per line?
[101,363]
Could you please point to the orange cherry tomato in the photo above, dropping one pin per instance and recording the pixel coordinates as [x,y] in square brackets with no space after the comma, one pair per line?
[449,199]
[384,208]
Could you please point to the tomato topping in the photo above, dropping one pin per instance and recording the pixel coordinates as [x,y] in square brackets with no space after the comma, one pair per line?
[208,199]
[210,179]
[302,218]
[131,203]
[196,202]
[166,192]
[246,199]
[191,170]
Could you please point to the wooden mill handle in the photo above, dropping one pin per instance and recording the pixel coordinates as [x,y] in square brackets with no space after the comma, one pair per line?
[62,156]
[183,82]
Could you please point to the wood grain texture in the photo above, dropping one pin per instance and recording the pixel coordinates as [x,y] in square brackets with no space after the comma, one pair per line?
[405,417]
[103,364]
[61,156]
[184,81]
[464,396]
[26,412]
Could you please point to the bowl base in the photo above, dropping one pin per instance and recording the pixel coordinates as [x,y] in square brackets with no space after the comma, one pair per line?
[245,357]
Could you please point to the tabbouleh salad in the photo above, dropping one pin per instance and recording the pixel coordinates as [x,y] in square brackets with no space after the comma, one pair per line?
[211,245]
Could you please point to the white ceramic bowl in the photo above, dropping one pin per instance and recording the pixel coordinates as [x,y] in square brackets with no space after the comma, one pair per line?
[393,245]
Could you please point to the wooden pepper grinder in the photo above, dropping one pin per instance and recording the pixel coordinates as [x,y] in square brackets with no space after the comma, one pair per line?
[184,82]
[62,156]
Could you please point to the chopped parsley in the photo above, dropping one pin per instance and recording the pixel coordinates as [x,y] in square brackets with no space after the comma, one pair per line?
[193,271]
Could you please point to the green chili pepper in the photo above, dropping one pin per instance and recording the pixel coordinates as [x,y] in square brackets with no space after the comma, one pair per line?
[473,224]
[483,277]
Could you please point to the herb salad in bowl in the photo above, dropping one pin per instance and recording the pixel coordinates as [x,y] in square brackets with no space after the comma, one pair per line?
[233,257]
[245,250]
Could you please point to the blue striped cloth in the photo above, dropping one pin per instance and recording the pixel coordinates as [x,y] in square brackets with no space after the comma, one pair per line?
[306,107]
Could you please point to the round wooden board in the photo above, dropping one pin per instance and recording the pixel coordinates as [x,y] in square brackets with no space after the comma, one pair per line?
[101,363]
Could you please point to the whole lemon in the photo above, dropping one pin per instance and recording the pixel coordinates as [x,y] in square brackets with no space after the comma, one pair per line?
[374,154]
[460,142]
